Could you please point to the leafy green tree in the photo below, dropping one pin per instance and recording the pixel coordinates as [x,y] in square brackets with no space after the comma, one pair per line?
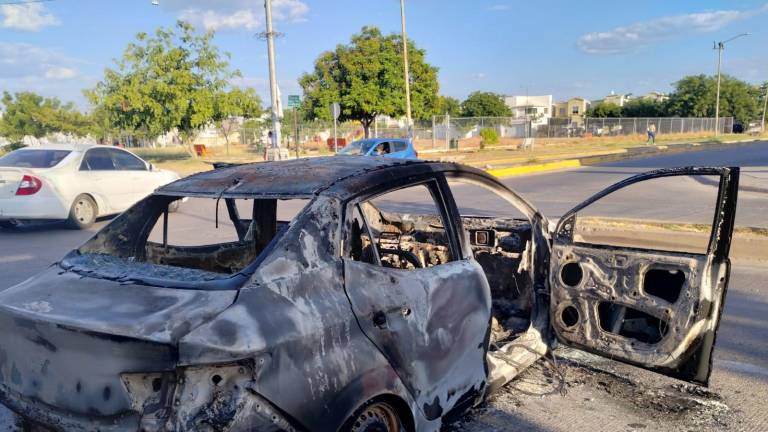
[170,81]
[29,114]
[605,110]
[643,108]
[447,105]
[485,104]
[232,105]
[695,96]
[366,78]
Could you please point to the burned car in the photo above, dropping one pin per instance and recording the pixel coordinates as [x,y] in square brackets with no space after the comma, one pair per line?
[360,313]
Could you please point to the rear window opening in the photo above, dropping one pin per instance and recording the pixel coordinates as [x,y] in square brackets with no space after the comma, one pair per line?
[170,240]
[664,284]
[33,158]
[198,235]
[631,323]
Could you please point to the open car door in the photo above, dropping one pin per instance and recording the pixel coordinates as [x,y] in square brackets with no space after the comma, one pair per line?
[646,291]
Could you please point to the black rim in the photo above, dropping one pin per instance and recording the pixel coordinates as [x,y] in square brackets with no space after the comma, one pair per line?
[377,417]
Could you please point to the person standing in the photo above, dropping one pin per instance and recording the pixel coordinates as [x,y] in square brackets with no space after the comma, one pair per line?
[651,134]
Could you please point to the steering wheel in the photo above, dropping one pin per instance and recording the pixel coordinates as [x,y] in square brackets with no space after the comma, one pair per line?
[406,255]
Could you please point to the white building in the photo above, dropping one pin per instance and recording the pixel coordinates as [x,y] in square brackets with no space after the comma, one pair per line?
[536,108]
[617,99]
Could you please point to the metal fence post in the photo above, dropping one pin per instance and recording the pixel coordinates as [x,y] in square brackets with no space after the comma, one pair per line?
[433,132]
[447,120]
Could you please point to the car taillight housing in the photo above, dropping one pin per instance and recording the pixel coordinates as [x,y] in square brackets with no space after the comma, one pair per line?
[29,185]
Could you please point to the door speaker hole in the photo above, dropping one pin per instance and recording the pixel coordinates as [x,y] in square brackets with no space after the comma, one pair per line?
[571,274]
[631,323]
[664,284]
[570,316]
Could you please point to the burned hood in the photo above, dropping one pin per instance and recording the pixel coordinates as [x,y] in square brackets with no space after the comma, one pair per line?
[108,307]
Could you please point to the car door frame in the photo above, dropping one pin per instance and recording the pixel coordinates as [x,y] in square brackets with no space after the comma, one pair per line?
[693,361]
[139,177]
[108,201]
[441,399]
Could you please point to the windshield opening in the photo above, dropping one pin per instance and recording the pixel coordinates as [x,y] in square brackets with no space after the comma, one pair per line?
[33,158]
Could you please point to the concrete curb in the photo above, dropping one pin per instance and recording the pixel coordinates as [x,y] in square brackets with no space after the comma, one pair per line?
[627,154]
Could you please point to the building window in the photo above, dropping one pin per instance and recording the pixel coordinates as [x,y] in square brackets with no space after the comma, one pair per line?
[575,109]
[546,110]
[562,112]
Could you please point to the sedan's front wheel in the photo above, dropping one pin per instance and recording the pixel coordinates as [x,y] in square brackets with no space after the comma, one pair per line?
[377,417]
[83,212]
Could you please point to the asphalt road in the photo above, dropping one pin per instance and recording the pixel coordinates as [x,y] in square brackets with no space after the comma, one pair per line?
[741,357]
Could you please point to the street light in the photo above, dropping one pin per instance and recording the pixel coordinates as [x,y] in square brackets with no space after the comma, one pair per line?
[720,46]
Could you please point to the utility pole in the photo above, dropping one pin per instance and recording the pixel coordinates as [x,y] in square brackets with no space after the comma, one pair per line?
[270,34]
[720,46]
[765,105]
[405,71]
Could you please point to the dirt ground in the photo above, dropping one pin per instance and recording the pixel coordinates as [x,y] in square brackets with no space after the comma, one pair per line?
[602,396]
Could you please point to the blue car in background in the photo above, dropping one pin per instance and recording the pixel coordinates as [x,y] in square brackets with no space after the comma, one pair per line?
[398,148]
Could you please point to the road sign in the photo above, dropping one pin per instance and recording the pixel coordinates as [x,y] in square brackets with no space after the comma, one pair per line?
[294,101]
[335,110]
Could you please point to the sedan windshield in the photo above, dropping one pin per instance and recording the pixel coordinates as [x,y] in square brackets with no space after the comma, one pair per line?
[33,158]
[358,148]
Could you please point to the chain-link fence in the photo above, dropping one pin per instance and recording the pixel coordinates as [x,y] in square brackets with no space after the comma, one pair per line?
[456,132]
[446,132]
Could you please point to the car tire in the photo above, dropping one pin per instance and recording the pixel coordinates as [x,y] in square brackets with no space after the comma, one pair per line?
[83,212]
[376,417]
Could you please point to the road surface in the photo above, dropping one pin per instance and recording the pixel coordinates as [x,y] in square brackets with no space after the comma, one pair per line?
[596,400]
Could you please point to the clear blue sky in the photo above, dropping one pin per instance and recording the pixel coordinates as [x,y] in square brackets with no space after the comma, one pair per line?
[567,49]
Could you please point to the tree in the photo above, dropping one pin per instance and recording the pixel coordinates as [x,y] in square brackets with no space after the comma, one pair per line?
[230,106]
[695,96]
[643,108]
[169,81]
[366,78]
[485,104]
[447,105]
[605,110]
[29,114]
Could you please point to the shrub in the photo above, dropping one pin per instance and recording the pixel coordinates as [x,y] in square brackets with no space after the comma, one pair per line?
[489,136]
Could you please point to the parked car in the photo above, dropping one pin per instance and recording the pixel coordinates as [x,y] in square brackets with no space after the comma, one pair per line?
[76,183]
[398,148]
[356,315]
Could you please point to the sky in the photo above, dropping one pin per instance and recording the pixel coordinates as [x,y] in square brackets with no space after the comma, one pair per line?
[513,47]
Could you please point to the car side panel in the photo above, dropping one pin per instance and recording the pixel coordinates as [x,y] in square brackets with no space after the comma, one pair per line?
[311,359]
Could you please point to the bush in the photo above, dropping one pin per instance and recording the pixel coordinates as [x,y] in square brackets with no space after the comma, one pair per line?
[489,136]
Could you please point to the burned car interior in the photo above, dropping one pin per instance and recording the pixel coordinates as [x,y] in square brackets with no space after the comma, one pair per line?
[408,236]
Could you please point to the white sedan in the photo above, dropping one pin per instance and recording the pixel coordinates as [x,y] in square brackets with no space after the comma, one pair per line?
[76,183]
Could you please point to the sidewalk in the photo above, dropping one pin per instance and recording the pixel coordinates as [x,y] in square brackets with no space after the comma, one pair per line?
[568,156]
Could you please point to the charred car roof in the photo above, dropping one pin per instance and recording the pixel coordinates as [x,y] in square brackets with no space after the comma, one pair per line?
[341,176]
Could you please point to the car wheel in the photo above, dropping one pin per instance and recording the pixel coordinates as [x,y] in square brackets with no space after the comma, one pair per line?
[83,212]
[376,417]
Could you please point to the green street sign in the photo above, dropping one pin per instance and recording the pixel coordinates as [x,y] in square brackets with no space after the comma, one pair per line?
[294,101]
